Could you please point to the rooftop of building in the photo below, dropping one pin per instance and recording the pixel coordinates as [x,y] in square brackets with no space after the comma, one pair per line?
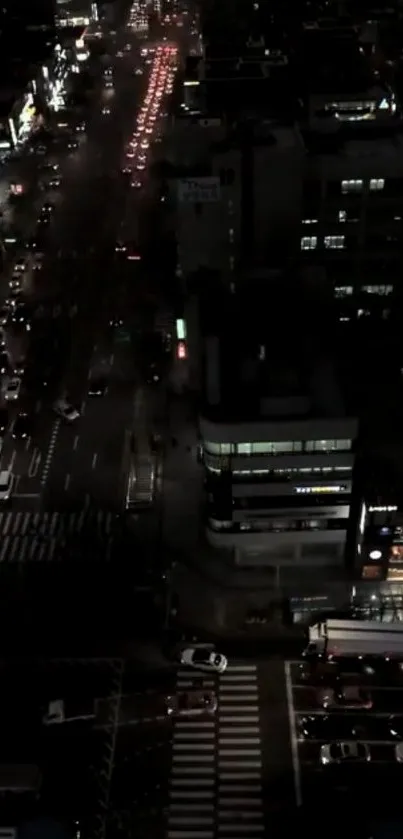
[332,61]
[267,359]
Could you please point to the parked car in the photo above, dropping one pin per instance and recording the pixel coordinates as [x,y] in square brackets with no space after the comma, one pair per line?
[191,703]
[345,698]
[351,751]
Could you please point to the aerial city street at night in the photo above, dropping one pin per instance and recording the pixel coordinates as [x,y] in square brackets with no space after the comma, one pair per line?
[201,521]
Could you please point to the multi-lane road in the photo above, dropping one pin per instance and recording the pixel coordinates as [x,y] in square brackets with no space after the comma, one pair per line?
[66,469]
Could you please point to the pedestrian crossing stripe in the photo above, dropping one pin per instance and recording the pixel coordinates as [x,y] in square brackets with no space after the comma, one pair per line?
[41,537]
[216,771]
[55,524]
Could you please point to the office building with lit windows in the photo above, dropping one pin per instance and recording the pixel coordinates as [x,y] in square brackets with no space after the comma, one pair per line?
[278,442]
[71,13]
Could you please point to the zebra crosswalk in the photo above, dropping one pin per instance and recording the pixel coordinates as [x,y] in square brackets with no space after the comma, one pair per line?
[41,537]
[215,789]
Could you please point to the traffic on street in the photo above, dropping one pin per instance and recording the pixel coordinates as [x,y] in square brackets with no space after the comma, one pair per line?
[70,222]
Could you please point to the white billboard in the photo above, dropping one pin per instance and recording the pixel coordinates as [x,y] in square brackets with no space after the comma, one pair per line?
[199,190]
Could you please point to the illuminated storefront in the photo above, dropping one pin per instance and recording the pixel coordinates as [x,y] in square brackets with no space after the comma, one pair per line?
[27,119]
[380,542]
[54,76]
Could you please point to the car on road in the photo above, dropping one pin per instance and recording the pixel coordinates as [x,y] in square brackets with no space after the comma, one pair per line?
[4,362]
[15,281]
[12,389]
[191,703]
[54,183]
[72,144]
[19,366]
[204,658]
[20,315]
[13,298]
[44,219]
[345,698]
[6,485]
[38,260]
[4,315]
[351,751]
[105,110]
[65,410]
[22,427]
[3,420]
[20,266]
[97,386]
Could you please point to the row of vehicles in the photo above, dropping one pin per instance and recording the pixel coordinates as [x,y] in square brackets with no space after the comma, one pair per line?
[346,661]
[160,85]
[17,313]
[194,702]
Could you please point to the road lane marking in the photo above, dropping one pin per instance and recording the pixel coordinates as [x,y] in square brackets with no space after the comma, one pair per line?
[293,735]
[12,460]
[27,443]
[26,494]
[192,782]
[94,461]
[192,795]
[66,482]
[239,729]
[188,724]
[236,677]
[237,708]
[34,464]
[75,443]
[49,455]
[239,688]
[238,775]
[82,409]
[190,834]
[243,764]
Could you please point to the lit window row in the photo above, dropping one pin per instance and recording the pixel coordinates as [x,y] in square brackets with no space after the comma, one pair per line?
[347,290]
[357,185]
[279,447]
[309,243]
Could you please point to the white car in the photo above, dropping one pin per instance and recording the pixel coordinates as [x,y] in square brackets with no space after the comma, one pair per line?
[65,410]
[347,752]
[6,485]
[12,389]
[202,658]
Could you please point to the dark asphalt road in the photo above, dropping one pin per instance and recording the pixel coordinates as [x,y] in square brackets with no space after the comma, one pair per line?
[64,467]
